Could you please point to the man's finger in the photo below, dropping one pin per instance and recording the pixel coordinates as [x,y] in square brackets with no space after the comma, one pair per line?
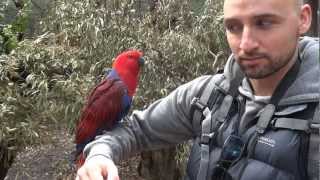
[96,175]
[112,172]
[82,175]
[113,176]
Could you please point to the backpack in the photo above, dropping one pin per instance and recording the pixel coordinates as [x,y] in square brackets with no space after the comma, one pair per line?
[217,96]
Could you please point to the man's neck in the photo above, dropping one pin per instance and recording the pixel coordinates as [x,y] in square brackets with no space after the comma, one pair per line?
[266,86]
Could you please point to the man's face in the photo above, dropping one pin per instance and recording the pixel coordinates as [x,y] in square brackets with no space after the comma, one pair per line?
[262,34]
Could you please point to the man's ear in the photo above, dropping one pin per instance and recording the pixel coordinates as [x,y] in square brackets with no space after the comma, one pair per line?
[305,18]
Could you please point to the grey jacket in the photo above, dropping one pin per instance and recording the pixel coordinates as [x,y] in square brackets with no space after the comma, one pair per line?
[167,121]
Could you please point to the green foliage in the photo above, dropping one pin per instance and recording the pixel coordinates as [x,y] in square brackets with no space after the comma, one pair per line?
[44,81]
[102,33]
[172,38]
[41,89]
[9,33]
[8,39]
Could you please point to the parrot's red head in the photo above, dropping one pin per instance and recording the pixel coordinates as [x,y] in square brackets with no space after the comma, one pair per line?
[127,65]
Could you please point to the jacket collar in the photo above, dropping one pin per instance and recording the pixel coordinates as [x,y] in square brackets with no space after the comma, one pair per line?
[304,89]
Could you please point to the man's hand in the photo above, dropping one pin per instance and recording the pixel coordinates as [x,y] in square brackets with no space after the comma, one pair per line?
[98,168]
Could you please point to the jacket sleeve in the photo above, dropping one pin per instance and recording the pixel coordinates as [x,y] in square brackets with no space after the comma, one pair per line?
[165,122]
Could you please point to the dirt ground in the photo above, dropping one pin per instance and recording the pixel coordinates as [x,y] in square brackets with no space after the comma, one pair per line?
[52,161]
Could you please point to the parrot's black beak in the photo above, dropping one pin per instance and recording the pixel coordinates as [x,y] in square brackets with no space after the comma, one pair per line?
[141,61]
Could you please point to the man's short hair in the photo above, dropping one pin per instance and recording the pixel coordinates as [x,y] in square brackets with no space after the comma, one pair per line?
[299,3]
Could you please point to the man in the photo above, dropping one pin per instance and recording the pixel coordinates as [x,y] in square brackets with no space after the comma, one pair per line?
[264,39]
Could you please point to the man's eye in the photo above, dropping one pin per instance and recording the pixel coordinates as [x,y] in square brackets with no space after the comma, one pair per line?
[233,28]
[264,24]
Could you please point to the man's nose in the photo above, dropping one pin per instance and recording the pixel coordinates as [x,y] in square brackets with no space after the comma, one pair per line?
[248,40]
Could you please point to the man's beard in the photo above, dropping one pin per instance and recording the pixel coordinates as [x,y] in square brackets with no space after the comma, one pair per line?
[264,70]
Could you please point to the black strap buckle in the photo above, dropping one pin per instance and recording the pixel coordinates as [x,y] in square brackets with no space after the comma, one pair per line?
[196,103]
[205,138]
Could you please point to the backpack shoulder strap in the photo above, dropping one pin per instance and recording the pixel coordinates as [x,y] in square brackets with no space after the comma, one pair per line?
[215,95]
[217,84]
[314,147]
[201,101]
[201,114]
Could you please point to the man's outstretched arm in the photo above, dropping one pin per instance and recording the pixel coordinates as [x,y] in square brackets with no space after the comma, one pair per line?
[165,122]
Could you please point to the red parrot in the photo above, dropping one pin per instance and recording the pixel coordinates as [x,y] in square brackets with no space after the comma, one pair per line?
[109,101]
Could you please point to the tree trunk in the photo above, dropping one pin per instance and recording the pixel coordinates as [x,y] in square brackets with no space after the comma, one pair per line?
[159,165]
[6,159]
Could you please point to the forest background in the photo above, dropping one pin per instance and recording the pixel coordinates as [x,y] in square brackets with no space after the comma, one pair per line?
[52,52]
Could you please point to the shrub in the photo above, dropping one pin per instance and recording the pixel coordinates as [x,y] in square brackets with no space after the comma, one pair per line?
[43,81]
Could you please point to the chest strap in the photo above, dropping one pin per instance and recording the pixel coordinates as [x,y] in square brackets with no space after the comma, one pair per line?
[292,123]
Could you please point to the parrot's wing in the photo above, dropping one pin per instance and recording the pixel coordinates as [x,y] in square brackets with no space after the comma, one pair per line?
[103,107]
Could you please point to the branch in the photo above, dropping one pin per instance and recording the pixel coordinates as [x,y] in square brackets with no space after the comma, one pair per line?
[38,6]
[18,3]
